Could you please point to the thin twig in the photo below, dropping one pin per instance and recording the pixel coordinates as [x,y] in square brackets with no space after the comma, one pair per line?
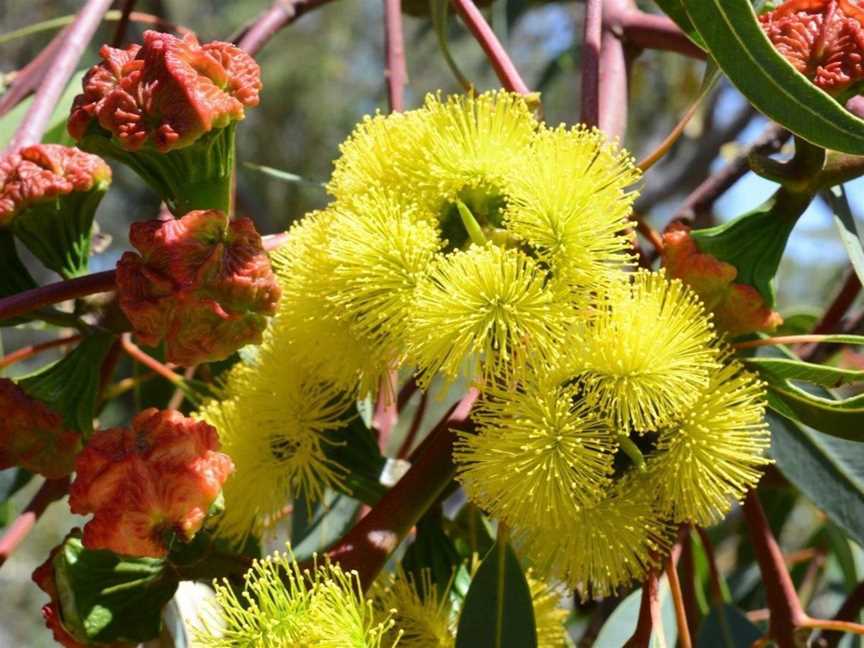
[684,640]
[498,57]
[593,35]
[50,491]
[834,315]
[649,614]
[135,352]
[36,349]
[366,547]
[688,582]
[395,71]
[123,23]
[29,300]
[280,14]
[63,65]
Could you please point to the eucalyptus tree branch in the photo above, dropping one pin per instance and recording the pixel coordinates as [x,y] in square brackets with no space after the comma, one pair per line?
[395,71]
[280,14]
[74,42]
[591,41]
[498,57]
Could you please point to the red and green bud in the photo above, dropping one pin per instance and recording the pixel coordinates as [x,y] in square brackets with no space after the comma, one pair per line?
[202,284]
[149,483]
[738,308]
[33,436]
[48,196]
[167,109]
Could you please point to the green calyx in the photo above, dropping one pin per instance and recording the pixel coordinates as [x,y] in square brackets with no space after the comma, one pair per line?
[198,176]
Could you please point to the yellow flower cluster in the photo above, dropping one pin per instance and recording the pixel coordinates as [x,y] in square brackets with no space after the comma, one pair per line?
[467,238]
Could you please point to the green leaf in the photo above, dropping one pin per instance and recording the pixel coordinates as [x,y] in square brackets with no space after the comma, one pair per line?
[727,627]
[754,242]
[838,418]
[780,370]
[829,471]
[498,611]
[110,598]
[14,277]
[621,623]
[734,38]
[355,448]
[846,226]
[70,386]
[676,11]
[432,550]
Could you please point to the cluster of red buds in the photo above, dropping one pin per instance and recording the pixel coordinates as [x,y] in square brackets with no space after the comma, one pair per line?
[202,283]
[147,483]
[823,39]
[167,92]
[738,308]
[33,436]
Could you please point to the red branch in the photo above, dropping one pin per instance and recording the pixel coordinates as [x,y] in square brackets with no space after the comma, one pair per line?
[593,35]
[135,352]
[395,71]
[366,547]
[51,490]
[62,66]
[498,57]
[787,615]
[36,349]
[613,81]
[650,31]
[280,14]
[29,300]
[649,614]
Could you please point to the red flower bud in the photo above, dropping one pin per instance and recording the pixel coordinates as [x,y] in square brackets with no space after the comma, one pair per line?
[160,475]
[43,172]
[737,308]
[33,436]
[202,283]
[166,93]
[823,39]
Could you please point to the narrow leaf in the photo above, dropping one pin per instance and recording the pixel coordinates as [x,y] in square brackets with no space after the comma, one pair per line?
[838,418]
[676,11]
[829,471]
[734,38]
[848,229]
[780,370]
[498,611]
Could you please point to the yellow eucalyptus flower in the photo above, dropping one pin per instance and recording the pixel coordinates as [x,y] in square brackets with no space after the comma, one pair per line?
[570,202]
[549,616]
[715,453]
[423,617]
[646,351]
[282,606]
[273,420]
[538,454]
[603,547]
[486,310]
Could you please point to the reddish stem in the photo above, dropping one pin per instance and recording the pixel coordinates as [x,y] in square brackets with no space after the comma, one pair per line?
[498,57]
[688,582]
[50,491]
[681,619]
[593,35]
[395,71]
[109,365]
[708,547]
[29,300]
[366,547]
[649,613]
[123,23]
[651,31]
[787,615]
[35,349]
[75,41]
[614,81]
[135,352]
[834,314]
[280,14]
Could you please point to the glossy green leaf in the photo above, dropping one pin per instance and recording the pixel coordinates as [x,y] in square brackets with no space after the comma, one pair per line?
[726,627]
[779,370]
[433,551]
[829,471]
[70,386]
[355,448]
[839,418]
[109,598]
[498,612]
[847,228]
[734,38]
[676,11]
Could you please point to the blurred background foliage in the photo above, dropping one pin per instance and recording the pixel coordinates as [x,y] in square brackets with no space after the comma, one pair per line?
[321,75]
